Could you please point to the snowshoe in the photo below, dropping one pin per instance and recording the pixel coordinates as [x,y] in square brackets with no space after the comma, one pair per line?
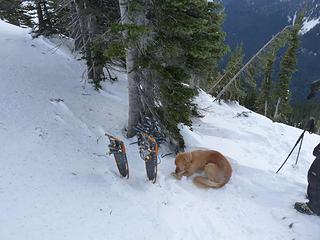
[303,208]
[117,148]
[148,149]
[150,136]
[151,128]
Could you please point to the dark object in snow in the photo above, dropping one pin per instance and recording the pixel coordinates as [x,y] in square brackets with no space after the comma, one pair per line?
[151,128]
[303,208]
[148,149]
[313,192]
[243,114]
[150,136]
[117,148]
[56,100]
[314,88]
[310,128]
[316,151]
[314,182]
[311,125]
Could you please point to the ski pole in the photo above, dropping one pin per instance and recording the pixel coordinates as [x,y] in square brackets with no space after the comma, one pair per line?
[299,139]
[299,150]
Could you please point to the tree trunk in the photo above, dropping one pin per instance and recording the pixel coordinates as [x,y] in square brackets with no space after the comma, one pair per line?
[78,10]
[135,104]
[277,109]
[76,33]
[48,18]
[41,25]
[265,107]
[96,73]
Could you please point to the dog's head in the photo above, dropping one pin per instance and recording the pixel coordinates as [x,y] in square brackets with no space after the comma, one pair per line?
[183,161]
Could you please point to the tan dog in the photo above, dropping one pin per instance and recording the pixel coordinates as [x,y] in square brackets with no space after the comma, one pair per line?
[216,167]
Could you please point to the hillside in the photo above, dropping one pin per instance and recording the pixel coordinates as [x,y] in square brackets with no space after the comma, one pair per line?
[56,182]
[254,22]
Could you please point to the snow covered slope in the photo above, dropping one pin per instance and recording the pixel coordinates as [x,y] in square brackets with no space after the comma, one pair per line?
[56,182]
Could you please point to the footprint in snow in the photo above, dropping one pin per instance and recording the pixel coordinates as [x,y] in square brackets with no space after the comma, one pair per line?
[58,118]
[60,103]
[42,133]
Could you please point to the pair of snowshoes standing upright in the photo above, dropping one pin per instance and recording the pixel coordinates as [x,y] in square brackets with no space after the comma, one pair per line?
[149,137]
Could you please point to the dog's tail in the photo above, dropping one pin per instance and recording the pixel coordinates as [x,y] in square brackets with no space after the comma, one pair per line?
[205,182]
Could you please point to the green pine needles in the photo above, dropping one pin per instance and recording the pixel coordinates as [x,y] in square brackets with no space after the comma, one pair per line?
[180,43]
[287,69]
[15,13]
[187,45]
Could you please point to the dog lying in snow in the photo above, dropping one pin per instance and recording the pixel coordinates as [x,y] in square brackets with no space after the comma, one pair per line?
[216,167]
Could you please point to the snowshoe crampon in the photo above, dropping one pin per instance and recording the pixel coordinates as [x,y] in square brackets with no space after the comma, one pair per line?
[148,149]
[117,148]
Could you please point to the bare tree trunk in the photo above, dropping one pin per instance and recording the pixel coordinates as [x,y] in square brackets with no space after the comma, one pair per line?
[48,18]
[135,104]
[96,72]
[147,93]
[76,29]
[81,33]
[90,58]
[41,25]
[277,109]
[265,107]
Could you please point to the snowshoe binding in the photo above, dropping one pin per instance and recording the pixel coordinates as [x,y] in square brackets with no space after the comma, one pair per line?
[303,208]
[149,137]
[117,148]
[148,149]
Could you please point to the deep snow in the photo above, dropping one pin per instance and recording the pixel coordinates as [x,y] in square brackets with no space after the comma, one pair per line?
[56,182]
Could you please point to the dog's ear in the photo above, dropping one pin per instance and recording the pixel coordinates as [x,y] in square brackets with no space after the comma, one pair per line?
[188,157]
[178,156]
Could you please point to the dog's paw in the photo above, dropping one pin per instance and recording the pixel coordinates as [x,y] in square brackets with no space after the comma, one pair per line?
[173,174]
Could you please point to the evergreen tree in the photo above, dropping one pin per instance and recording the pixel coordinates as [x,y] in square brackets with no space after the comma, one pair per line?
[131,17]
[15,13]
[235,91]
[172,47]
[287,69]
[50,17]
[243,89]
[264,98]
[250,87]
[186,47]
[317,130]
[88,22]
[302,111]
[54,17]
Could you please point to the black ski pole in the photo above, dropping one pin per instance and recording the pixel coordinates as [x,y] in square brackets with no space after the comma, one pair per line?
[299,150]
[299,139]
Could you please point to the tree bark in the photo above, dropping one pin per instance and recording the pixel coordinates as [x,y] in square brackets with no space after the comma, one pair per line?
[265,108]
[78,7]
[135,104]
[48,18]
[276,112]
[76,33]
[96,68]
[41,25]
